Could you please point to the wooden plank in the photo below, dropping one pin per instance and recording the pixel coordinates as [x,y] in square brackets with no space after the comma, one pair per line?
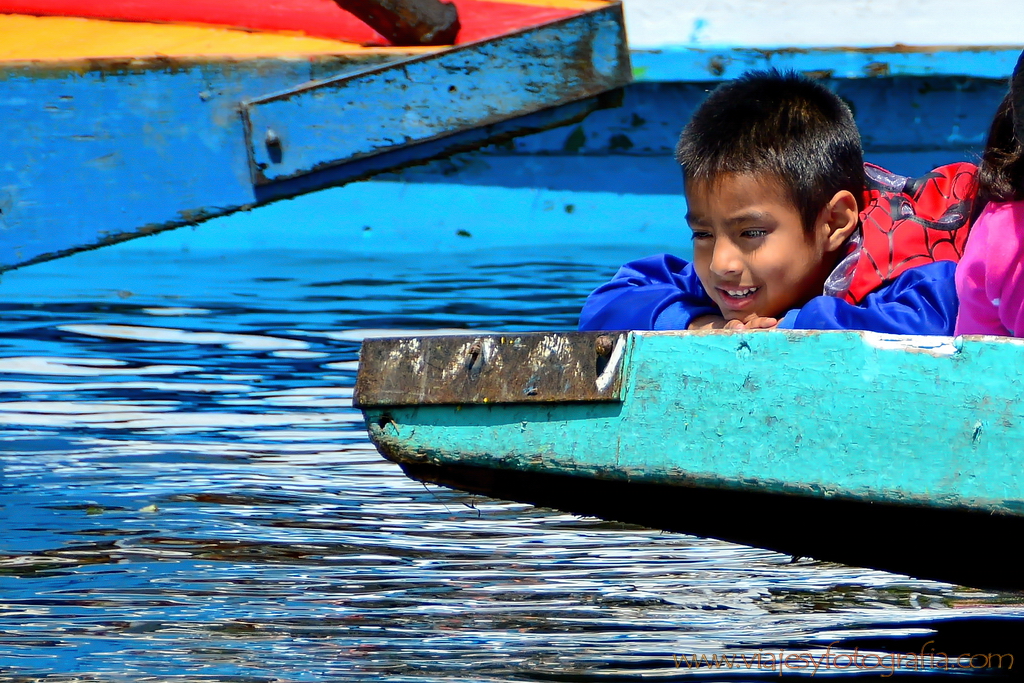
[327,123]
[491,369]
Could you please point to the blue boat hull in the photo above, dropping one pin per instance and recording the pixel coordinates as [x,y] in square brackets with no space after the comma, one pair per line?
[100,151]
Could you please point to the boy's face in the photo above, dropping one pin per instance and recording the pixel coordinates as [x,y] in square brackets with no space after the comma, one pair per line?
[750,249]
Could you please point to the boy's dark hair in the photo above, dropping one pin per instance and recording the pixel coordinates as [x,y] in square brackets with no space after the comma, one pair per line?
[779,125]
[1001,171]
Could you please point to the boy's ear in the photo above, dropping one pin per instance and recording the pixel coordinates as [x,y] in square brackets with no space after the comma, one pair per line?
[839,219]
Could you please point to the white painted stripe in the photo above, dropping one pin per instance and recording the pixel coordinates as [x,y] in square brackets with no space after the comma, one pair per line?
[822,23]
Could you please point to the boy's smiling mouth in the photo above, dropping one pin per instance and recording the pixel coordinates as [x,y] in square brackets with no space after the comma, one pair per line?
[738,297]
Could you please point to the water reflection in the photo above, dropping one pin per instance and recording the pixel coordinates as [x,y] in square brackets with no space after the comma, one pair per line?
[187,494]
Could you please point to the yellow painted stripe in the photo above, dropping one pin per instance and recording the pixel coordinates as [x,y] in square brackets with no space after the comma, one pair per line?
[580,5]
[68,38]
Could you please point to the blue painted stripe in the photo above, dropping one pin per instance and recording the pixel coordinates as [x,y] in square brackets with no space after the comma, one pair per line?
[377,218]
[719,64]
[634,204]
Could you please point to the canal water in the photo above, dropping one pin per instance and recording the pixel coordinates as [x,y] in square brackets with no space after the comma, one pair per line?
[188,495]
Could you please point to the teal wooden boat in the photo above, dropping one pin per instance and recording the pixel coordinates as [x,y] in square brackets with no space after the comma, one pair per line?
[892,452]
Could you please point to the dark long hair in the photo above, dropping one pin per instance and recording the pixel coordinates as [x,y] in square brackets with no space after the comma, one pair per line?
[1001,171]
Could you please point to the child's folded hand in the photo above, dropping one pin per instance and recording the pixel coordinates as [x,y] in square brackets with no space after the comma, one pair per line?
[707,322]
[754,323]
[717,322]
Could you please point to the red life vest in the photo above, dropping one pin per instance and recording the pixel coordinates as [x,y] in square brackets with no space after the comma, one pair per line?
[908,222]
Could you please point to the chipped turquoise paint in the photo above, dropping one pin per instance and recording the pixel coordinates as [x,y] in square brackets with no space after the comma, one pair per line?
[809,413]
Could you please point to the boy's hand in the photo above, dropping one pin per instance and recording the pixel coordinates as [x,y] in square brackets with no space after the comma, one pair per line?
[717,322]
[754,323]
[707,322]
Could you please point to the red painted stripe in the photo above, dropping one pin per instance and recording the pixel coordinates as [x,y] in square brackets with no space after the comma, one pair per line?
[322,18]
[488,19]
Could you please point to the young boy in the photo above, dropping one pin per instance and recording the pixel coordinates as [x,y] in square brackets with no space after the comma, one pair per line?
[777,193]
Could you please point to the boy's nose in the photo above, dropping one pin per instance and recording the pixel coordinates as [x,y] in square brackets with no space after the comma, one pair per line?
[725,260]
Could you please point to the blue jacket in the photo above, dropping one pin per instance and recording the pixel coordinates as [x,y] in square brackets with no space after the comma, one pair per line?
[663,292]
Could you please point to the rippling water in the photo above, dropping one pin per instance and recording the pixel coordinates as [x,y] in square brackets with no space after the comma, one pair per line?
[187,494]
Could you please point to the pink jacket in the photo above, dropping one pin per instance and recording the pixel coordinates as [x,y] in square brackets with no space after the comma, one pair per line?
[990,276]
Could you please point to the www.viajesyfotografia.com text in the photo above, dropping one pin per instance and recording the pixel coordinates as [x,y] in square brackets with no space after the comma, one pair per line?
[884,663]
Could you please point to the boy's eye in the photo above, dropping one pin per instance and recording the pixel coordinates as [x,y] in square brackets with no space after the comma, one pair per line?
[699,235]
[755,233]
